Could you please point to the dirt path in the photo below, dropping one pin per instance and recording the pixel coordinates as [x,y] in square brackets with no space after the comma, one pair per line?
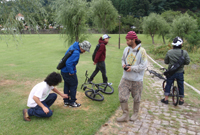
[156,118]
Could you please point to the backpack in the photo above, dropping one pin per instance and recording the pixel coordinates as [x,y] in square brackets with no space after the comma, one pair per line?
[61,64]
[95,51]
[175,66]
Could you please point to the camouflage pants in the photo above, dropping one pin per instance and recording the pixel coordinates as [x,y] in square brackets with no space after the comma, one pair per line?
[126,86]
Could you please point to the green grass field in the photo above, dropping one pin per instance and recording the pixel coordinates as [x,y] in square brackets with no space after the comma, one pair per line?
[27,64]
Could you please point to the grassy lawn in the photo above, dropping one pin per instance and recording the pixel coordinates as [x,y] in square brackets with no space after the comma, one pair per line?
[29,63]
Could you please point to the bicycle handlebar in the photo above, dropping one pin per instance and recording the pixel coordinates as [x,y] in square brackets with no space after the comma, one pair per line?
[157,74]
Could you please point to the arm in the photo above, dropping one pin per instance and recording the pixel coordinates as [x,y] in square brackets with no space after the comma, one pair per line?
[143,62]
[59,93]
[187,59]
[166,60]
[124,57]
[44,108]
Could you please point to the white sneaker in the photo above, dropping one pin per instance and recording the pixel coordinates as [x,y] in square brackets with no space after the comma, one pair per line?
[109,83]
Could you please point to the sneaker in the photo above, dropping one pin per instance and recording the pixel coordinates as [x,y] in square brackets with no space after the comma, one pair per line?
[163,101]
[66,103]
[25,115]
[181,102]
[109,83]
[75,104]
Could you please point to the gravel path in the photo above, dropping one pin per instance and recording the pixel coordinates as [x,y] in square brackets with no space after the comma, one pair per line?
[156,118]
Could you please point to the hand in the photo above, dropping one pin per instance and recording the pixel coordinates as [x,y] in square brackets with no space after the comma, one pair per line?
[94,63]
[64,96]
[71,74]
[129,69]
[124,66]
[45,109]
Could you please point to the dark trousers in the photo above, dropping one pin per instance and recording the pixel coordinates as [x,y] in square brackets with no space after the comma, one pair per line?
[38,111]
[102,67]
[70,87]
[180,80]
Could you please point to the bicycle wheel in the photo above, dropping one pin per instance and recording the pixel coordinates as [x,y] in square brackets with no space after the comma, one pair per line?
[105,88]
[94,95]
[163,85]
[175,96]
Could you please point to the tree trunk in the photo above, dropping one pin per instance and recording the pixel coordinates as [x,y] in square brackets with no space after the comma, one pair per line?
[152,36]
[163,39]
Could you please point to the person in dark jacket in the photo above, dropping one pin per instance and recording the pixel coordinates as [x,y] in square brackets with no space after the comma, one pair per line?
[99,60]
[69,72]
[171,57]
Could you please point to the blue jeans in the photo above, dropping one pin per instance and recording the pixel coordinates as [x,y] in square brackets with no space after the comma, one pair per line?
[38,111]
[70,87]
[102,67]
[180,80]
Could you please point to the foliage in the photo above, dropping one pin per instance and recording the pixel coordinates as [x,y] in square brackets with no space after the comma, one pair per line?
[192,41]
[163,29]
[170,15]
[72,15]
[9,10]
[183,26]
[151,25]
[104,14]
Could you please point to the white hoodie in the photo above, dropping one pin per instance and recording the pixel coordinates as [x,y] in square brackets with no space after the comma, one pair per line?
[138,66]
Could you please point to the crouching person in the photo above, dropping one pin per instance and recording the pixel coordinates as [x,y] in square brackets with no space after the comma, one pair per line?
[134,63]
[40,99]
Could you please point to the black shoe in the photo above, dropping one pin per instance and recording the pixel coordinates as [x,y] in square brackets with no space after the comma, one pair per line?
[163,101]
[181,102]
[75,104]
[66,103]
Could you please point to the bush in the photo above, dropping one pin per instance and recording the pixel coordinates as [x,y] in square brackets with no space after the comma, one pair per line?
[160,50]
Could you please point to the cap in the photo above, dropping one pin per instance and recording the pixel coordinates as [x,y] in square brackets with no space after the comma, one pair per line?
[85,45]
[131,35]
[105,36]
[177,41]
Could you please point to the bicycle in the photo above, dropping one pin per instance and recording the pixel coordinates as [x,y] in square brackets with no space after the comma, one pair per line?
[174,91]
[93,92]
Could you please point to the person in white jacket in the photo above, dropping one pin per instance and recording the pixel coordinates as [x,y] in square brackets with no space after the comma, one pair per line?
[134,63]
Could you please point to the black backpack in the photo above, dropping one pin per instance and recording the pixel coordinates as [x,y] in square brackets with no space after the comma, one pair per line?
[61,64]
[95,51]
[175,66]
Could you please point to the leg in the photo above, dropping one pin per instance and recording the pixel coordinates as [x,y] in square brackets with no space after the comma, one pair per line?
[136,92]
[38,111]
[124,92]
[94,73]
[50,99]
[66,86]
[102,68]
[73,89]
[180,80]
[168,86]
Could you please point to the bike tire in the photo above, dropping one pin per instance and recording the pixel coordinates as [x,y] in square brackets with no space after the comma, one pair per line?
[175,96]
[105,88]
[94,95]
[164,84]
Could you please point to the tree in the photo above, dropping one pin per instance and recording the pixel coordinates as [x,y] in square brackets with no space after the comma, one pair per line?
[9,10]
[151,25]
[163,29]
[170,15]
[182,26]
[72,15]
[104,14]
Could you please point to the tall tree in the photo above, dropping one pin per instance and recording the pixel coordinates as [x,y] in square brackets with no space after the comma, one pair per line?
[151,25]
[9,10]
[163,29]
[104,14]
[72,15]
[183,26]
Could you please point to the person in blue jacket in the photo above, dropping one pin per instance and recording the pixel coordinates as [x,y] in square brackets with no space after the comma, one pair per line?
[69,72]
